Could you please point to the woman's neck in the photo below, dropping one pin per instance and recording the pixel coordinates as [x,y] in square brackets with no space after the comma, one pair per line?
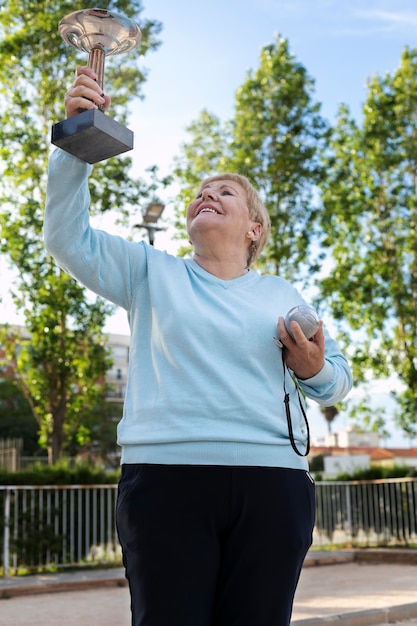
[222,268]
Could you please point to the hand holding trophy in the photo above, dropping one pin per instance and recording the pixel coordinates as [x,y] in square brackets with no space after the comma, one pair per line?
[91,135]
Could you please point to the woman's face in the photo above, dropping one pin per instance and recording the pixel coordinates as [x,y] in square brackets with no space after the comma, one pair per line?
[220,207]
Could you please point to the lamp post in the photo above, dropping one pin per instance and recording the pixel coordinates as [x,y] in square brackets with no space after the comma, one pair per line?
[150,216]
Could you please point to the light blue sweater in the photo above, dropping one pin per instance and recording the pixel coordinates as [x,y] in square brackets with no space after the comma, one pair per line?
[205,380]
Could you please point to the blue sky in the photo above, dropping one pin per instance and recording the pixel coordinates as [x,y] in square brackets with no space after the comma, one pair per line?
[207,48]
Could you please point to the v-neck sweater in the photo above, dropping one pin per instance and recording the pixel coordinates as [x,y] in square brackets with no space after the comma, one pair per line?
[205,378]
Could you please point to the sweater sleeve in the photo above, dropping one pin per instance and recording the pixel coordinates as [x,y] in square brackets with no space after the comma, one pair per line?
[100,261]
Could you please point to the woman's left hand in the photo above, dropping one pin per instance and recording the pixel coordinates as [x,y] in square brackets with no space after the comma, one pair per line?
[305,357]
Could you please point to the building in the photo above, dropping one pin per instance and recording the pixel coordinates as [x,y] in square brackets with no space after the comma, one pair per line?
[350,438]
[354,449]
[117,375]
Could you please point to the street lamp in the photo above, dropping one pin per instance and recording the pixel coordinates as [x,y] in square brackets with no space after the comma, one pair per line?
[150,216]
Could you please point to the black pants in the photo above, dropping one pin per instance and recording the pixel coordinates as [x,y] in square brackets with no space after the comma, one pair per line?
[213,546]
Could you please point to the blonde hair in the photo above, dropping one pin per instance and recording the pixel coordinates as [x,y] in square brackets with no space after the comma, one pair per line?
[257,211]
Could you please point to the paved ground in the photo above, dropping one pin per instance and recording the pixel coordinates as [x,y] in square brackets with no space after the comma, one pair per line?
[375,592]
[335,590]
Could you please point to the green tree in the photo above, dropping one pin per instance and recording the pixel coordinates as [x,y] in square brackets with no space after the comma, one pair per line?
[16,417]
[275,138]
[199,158]
[102,426]
[369,223]
[60,366]
[329,413]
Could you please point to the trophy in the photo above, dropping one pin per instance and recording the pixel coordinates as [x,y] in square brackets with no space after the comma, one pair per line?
[91,135]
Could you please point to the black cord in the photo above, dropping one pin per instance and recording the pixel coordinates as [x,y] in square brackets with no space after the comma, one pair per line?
[288,414]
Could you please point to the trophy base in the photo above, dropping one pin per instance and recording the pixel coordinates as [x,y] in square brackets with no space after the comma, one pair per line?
[92,136]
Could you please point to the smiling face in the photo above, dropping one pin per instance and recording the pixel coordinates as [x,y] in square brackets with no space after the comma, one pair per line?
[220,208]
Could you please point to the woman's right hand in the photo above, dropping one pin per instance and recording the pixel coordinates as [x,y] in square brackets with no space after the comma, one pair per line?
[84,93]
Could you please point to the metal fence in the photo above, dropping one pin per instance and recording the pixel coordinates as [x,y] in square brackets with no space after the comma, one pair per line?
[61,526]
[366,513]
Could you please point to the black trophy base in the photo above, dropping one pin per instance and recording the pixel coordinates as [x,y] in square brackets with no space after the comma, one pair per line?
[92,136]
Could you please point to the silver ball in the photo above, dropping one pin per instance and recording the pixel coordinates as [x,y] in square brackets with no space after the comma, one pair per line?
[307,318]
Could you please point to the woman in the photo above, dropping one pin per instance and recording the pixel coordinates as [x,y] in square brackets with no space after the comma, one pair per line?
[216,508]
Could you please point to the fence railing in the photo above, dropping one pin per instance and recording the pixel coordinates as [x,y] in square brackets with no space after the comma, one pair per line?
[61,526]
[366,513]
[58,526]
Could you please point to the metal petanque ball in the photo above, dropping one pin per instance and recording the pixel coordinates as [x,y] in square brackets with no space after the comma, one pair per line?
[307,318]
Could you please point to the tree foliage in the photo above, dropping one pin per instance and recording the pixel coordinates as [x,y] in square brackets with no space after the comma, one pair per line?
[60,366]
[16,417]
[369,221]
[275,139]
[329,413]
[198,159]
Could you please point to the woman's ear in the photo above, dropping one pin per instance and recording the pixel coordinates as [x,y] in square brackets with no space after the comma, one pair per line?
[255,231]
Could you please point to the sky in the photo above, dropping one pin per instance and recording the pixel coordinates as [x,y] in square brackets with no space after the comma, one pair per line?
[208,48]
